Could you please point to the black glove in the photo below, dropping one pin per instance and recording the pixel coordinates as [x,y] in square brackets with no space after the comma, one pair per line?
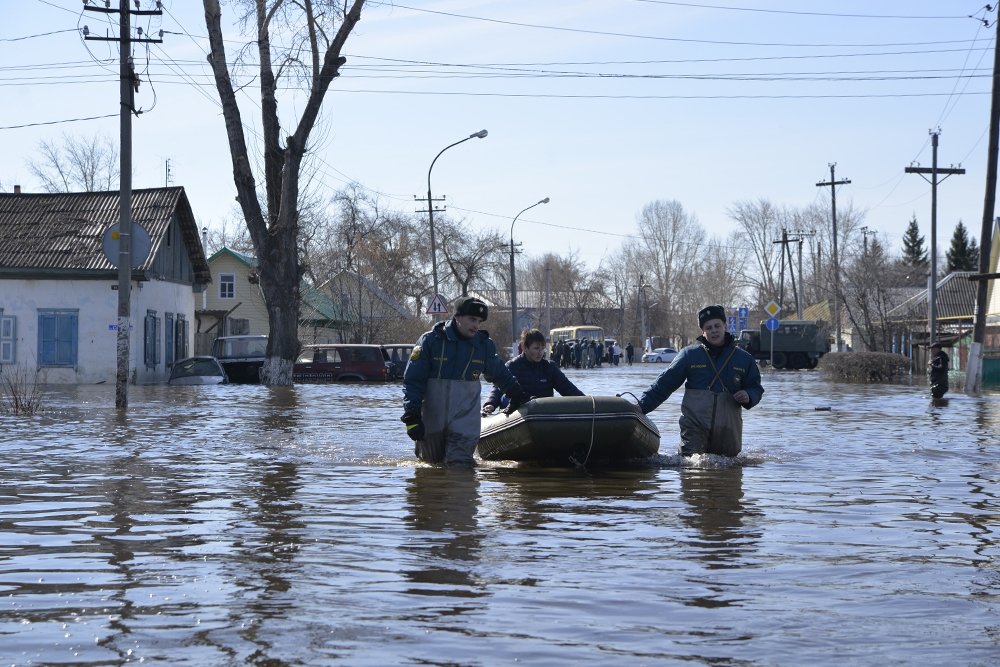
[517,397]
[414,426]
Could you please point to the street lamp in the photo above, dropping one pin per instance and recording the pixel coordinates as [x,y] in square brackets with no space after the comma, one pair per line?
[430,203]
[513,286]
[644,312]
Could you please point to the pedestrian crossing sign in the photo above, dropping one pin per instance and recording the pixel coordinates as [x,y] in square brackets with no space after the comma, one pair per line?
[437,306]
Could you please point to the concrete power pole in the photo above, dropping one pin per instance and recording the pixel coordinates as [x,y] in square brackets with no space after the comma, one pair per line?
[934,171]
[833,183]
[128,86]
[974,372]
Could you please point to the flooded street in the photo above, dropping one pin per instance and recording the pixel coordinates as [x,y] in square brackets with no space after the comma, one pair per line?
[227,525]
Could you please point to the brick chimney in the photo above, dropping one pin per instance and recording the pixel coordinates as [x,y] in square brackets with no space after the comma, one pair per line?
[17,189]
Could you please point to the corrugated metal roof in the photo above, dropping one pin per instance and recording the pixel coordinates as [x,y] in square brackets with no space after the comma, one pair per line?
[64,231]
[955,300]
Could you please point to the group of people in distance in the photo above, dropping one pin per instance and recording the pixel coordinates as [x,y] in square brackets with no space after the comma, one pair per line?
[441,385]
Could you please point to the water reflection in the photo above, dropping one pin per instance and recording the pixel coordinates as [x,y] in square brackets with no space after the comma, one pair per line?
[716,511]
[282,410]
[529,497]
[441,506]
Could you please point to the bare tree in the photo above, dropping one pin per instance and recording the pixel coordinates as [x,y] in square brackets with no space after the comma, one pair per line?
[313,34]
[470,256]
[671,240]
[77,165]
[761,223]
[871,290]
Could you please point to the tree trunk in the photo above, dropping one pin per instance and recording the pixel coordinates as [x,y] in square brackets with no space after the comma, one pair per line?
[275,234]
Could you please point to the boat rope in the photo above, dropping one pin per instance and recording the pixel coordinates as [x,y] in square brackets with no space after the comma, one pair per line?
[593,428]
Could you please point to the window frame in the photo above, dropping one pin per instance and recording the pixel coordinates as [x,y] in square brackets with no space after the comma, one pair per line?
[227,280]
[62,351]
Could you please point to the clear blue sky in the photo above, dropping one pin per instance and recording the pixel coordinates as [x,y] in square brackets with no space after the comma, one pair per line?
[601,105]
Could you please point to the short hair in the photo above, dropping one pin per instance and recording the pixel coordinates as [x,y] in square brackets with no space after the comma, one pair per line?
[531,336]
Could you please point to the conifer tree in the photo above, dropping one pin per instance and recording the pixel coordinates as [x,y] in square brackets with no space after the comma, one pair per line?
[914,253]
[963,255]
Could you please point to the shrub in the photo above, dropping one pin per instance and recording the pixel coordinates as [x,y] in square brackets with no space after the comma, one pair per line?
[20,392]
[865,367]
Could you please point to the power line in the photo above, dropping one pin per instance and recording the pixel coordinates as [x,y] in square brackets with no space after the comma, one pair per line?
[796,13]
[56,122]
[658,38]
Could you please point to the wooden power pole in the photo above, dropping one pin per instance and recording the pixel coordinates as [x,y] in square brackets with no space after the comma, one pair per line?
[934,171]
[833,183]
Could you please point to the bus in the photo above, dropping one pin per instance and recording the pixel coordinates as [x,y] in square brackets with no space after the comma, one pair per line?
[576,332]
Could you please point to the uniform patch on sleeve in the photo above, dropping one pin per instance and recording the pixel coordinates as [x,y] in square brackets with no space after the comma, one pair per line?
[415,355]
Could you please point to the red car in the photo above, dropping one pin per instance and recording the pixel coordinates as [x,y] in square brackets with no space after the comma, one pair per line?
[335,362]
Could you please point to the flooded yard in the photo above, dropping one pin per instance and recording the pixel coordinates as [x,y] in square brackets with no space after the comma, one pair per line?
[227,525]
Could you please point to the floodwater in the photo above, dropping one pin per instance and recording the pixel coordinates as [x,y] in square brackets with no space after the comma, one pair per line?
[242,525]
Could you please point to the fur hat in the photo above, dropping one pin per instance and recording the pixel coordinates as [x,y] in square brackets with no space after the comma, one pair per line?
[710,313]
[472,306]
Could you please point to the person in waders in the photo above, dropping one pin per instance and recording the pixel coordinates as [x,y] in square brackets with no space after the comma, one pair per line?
[442,390]
[722,381]
[938,371]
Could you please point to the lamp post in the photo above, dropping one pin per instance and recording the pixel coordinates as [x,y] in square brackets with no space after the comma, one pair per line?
[513,286]
[430,203]
[643,311]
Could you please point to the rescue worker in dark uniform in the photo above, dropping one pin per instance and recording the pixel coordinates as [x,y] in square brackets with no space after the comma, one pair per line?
[441,385]
[722,381]
[938,371]
[538,376]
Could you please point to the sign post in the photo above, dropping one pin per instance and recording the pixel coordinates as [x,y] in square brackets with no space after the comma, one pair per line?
[772,309]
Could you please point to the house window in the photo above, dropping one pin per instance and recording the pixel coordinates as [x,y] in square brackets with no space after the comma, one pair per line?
[239,326]
[57,338]
[7,340]
[168,339]
[227,285]
[181,338]
[151,347]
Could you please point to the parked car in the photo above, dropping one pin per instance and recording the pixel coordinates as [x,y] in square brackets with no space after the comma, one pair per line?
[397,354]
[197,370]
[661,355]
[241,356]
[334,362]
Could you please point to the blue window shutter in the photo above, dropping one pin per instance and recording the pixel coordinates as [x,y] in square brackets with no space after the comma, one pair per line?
[46,339]
[7,339]
[168,339]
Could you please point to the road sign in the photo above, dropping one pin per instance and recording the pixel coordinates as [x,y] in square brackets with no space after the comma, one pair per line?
[744,312]
[138,249]
[772,324]
[437,306]
[731,323]
[772,309]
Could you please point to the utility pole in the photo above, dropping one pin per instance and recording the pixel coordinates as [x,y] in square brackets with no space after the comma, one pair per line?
[781,274]
[934,171]
[548,302]
[974,372]
[802,234]
[129,85]
[833,183]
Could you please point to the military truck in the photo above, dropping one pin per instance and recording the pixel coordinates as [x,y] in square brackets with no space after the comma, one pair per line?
[797,343]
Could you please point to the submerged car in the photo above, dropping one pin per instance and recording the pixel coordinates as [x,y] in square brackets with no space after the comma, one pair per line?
[242,357]
[661,355]
[197,370]
[336,362]
[397,355]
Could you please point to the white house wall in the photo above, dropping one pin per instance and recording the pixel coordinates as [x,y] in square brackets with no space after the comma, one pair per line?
[97,306]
